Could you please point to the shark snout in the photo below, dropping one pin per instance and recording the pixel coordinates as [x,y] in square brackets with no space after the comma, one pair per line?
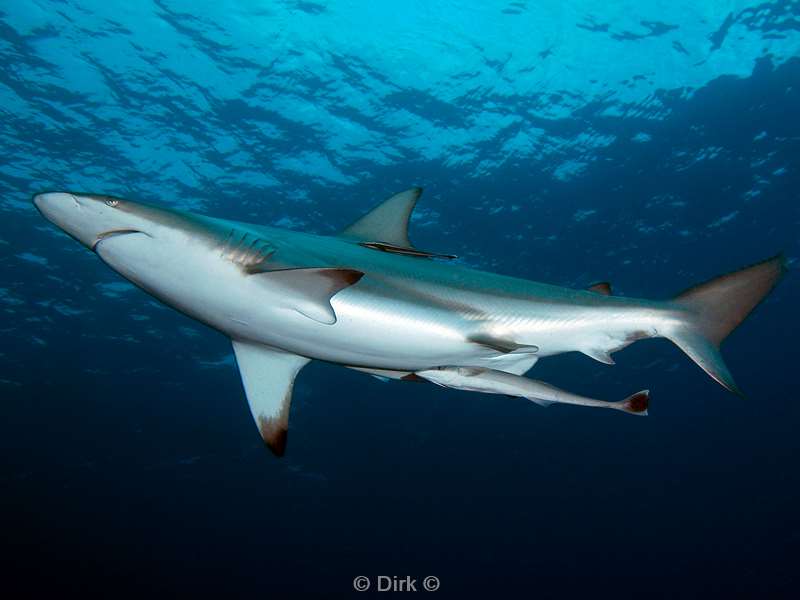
[60,208]
[84,217]
[49,202]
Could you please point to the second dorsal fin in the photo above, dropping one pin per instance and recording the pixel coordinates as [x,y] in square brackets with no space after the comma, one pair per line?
[385,227]
[601,287]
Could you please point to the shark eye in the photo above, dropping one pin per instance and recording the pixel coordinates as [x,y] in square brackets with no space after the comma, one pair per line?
[112,202]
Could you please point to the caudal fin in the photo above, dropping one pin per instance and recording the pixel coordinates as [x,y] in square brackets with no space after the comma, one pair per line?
[713,309]
[636,404]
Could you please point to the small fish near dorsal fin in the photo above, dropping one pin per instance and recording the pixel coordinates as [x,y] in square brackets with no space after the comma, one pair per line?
[268,378]
[601,287]
[385,227]
[405,251]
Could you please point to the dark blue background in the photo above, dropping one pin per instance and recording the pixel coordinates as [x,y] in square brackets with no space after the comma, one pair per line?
[128,467]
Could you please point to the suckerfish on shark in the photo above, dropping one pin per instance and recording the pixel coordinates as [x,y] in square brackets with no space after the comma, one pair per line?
[490,381]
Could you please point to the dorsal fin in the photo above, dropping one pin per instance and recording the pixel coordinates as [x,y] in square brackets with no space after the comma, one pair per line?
[387,222]
[385,227]
[601,287]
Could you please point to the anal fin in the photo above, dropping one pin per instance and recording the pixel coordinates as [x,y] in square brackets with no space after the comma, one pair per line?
[268,377]
[599,355]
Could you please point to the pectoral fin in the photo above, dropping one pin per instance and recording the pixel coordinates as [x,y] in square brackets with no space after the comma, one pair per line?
[309,291]
[268,378]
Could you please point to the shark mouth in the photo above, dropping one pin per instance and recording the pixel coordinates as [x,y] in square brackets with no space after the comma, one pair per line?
[113,233]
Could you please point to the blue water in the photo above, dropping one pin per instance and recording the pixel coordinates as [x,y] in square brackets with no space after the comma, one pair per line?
[651,144]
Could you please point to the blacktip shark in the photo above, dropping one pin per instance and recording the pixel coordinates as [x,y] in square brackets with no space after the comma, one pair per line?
[367,299]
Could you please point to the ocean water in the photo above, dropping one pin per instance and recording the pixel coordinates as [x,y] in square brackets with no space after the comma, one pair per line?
[651,144]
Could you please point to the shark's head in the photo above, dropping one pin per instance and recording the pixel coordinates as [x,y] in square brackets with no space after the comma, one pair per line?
[155,248]
[192,262]
[91,218]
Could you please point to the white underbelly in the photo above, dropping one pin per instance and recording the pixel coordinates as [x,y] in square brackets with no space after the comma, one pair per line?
[373,328]
[365,334]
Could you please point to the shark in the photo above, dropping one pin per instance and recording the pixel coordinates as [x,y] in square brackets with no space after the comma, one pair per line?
[368,299]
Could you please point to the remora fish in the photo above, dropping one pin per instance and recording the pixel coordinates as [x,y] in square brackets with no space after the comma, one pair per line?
[490,381]
[369,300]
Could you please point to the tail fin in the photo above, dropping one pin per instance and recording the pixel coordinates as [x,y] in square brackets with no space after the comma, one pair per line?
[635,404]
[715,308]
